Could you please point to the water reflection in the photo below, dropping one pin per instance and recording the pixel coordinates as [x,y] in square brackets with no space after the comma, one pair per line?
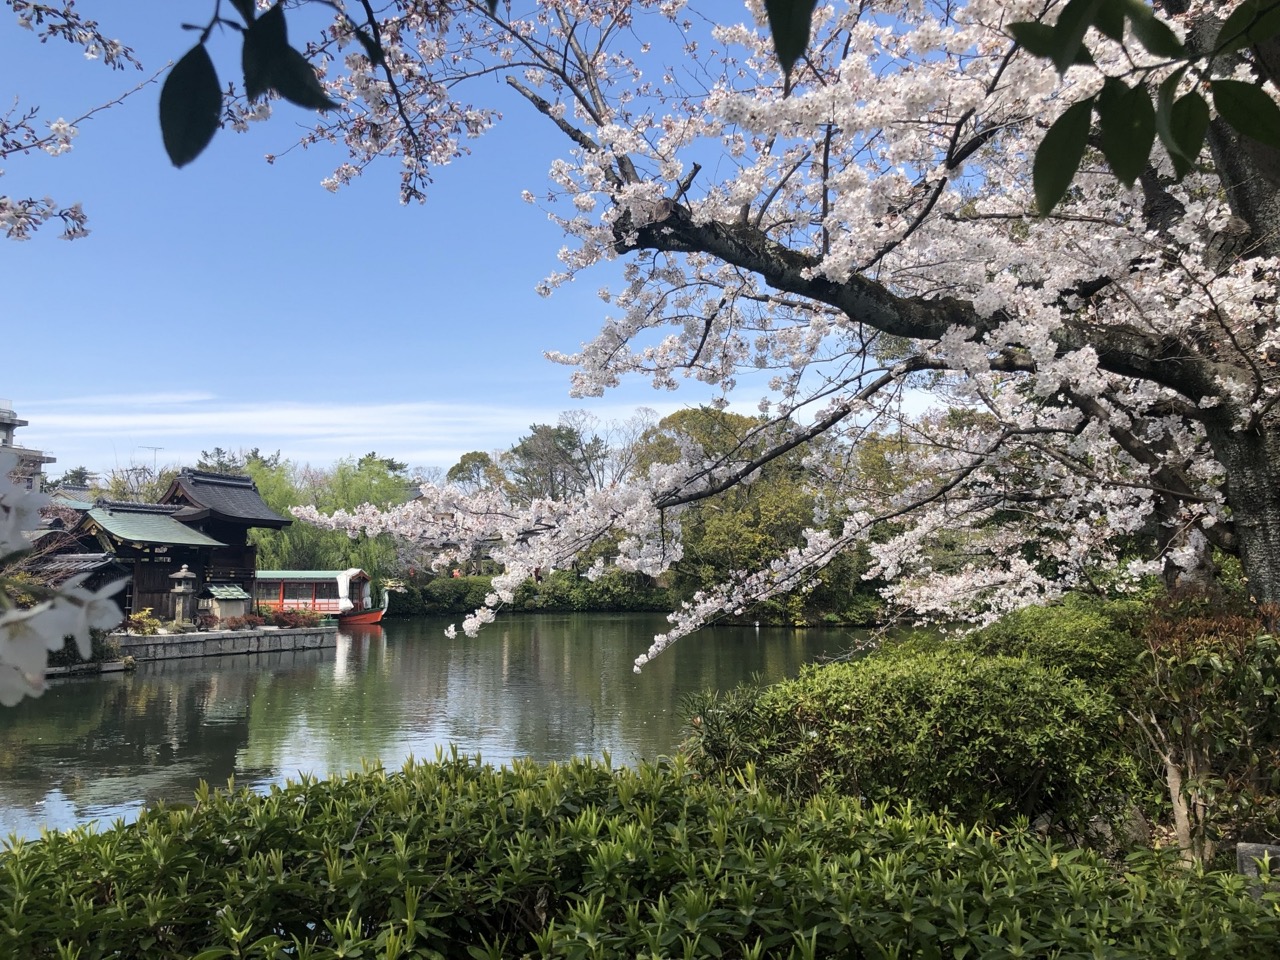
[543,686]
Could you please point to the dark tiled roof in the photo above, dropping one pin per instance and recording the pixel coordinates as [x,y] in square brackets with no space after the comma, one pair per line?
[226,496]
[147,523]
[60,567]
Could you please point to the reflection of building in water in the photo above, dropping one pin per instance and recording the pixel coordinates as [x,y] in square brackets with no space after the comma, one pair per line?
[30,469]
[104,748]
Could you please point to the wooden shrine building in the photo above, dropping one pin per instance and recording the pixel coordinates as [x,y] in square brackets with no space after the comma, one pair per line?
[225,508]
[150,543]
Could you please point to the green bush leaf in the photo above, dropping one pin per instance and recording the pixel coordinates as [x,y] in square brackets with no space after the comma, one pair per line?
[1188,124]
[1109,19]
[190,106]
[1249,109]
[789,22]
[1127,120]
[1251,22]
[1042,40]
[372,49]
[1059,155]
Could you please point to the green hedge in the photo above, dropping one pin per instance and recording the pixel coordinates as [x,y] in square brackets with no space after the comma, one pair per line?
[989,738]
[558,591]
[456,860]
[1092,639]
[102,649]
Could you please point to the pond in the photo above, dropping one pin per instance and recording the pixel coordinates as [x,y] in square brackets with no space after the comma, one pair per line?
[545,686]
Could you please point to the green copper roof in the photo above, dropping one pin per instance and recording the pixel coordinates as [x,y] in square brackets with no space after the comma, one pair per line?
[303,574]
[71,502]
[227,591]
[146,523]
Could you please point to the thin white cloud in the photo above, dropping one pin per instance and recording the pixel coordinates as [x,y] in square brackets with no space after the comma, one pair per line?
[134,399]
[107,432]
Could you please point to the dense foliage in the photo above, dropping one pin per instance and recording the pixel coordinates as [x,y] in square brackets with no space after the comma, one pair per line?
[1089,638]
[457,860]
[987,738]
[1161,714]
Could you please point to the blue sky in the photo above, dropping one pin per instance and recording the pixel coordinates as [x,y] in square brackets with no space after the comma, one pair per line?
[238,304]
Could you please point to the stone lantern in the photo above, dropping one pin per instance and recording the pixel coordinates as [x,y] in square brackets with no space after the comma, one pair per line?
[184,595]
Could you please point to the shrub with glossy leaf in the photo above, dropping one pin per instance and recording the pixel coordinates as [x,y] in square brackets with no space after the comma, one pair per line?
[1091,639]
[574,861]
[989,738]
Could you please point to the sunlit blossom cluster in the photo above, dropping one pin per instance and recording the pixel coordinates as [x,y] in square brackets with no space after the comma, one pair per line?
[28,633]
[898,164]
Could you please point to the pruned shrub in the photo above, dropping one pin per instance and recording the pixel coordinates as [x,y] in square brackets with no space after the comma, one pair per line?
[989,738]
[102,649]
[446,595]
[208,621]
[290,619]
[456,860]
[1208,715]
[1089,638]
[142,623]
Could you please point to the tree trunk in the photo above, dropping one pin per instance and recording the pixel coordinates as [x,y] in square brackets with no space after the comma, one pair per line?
[1251,460]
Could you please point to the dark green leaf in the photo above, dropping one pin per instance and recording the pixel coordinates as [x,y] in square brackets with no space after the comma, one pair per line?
[1041,40]
[265,43]
[1036,38]
[271,64]
[789,22]
[493,7]
[190,106]
[1251,22]
[1152,32]
[1075,19]
[1127,120]
[1059,155]
[1247,108]
[1189,124]
[372,49]
[295,79]
[1181,123]
[245,7]
[1109,19]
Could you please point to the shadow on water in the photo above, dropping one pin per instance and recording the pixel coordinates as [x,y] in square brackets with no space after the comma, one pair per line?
[543,686]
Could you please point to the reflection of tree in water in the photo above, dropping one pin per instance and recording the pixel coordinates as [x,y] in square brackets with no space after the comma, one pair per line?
[542,686]
[552,686]
[109,744]
[297,723]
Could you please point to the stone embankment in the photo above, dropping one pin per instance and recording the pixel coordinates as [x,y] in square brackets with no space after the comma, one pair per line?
[134,649]
[222,643]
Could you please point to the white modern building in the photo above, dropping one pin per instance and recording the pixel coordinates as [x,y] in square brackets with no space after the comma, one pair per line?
[30,470]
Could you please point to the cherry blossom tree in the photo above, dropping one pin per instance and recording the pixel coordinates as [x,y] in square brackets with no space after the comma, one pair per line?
[24,130]
[860,229]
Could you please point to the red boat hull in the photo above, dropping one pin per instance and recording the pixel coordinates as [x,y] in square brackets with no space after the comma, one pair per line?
[362,618]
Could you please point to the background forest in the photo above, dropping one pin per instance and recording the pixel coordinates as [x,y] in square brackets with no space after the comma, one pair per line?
[751,524]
